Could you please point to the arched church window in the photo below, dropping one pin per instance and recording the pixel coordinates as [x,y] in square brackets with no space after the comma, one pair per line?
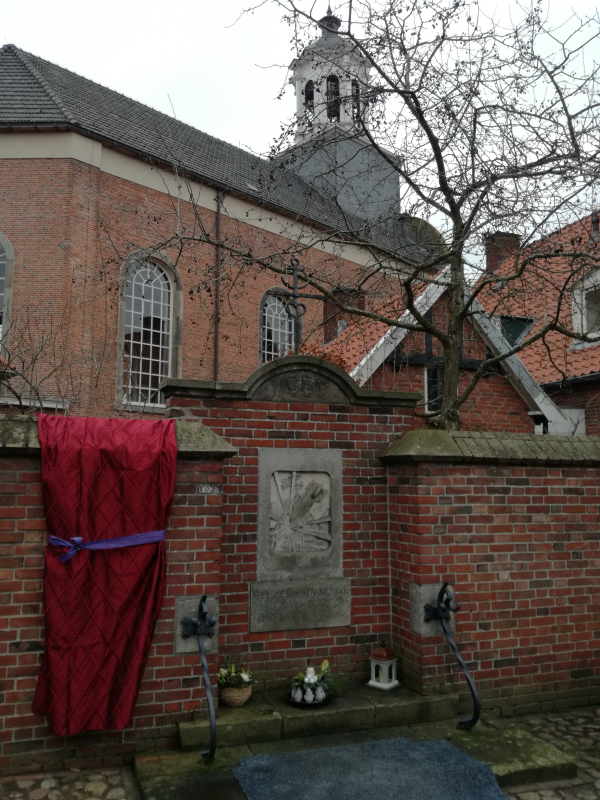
[309,97]
[333,98]
[355,102]
[6,275]
[147,341]
[276,327]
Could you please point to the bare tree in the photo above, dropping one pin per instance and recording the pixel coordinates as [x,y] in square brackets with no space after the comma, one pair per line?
[485,125]
[28,366]
[43,369]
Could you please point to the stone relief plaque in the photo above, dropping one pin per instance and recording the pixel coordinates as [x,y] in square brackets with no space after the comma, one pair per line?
[294,605]
[299,514]
[300,385]
[300,511]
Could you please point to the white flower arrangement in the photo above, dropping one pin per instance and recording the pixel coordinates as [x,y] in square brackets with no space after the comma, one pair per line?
[234,677]
[310,676]
[312,688]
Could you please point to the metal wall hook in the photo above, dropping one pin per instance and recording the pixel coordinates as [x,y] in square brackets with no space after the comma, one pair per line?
[290,297]
[202,626]
[442,612]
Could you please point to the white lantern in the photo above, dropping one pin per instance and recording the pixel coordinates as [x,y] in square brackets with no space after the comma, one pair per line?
[383,668]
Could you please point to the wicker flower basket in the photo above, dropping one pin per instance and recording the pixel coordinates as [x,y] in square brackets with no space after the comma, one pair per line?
[234,696]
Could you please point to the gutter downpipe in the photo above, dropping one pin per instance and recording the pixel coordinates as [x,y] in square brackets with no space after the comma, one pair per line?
[219,199]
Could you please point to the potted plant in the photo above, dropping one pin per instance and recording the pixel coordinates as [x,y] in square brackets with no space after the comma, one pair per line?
[315,689]
[235,685]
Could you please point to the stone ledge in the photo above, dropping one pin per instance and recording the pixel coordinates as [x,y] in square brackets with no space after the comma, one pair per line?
[268,717]
[514,755]
[498,448]
[196,441]
[19,437]
[292,379]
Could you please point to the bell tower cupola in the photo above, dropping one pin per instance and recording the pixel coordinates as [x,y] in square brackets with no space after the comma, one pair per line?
[331,151]
[331,80]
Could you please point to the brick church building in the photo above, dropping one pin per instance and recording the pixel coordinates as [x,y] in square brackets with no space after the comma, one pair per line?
[111,274]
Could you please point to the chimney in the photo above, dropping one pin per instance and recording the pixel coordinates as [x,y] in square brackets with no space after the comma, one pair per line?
[334,321]
[498,247]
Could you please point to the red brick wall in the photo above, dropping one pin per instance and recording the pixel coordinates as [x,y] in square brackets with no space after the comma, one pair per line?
[583,395]
[492,406]
[170,691]
[360,433]
[72,226]
[522,547]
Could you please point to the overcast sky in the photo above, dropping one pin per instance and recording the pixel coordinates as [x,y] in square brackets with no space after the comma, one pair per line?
[217,74]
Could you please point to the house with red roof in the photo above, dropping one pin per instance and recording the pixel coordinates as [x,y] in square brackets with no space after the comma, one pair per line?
[507,398]
[566,369]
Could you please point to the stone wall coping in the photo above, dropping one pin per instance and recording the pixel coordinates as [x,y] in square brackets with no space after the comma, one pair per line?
[287,367]
[487,446]
[19,436]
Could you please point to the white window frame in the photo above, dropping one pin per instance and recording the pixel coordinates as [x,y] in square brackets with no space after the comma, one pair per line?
[135,260]
[578,303]
[271,293]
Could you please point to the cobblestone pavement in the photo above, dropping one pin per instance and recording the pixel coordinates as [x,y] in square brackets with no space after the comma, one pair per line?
[104,784]
[578,730]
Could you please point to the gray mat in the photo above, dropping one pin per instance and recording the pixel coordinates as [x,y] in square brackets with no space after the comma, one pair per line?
[396,769]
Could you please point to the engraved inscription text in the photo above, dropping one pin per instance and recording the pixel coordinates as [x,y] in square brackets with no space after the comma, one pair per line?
[307,604]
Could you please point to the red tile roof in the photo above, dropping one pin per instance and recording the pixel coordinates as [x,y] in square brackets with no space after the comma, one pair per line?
[537,294]
[361,334]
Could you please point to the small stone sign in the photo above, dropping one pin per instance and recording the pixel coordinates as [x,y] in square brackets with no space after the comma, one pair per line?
[210,488]
[294,605]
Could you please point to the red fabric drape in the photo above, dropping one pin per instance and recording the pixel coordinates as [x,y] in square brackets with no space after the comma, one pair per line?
[101,478]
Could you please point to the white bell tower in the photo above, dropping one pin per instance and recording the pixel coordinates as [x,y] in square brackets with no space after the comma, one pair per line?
[331,80]
[333,97]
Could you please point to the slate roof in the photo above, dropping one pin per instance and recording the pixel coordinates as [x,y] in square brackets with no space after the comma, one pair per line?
[37,93]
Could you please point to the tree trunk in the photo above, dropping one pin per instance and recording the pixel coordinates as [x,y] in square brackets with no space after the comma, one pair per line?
[449,413]
[450,416]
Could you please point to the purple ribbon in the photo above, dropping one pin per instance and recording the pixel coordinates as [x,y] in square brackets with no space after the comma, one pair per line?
[76,544]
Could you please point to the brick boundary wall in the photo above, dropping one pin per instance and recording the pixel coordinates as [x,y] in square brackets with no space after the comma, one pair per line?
[510,519]
[340,416]
[513,522]
[171,690]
